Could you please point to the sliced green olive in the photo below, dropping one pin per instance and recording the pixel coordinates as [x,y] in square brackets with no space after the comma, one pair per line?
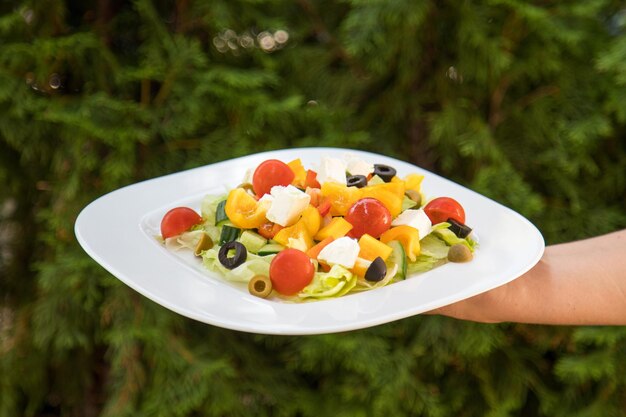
[260,285]
[415,196]
[459,253]
[205,243]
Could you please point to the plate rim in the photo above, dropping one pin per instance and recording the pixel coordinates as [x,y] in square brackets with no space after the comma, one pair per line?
[285,328]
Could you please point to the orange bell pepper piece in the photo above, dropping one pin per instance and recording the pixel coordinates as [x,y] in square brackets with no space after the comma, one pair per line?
[341,197]
[390,194]
[299,172]
[315,250]
[296,237]
[244,210]
[409,238]
[337,228]
[371,248]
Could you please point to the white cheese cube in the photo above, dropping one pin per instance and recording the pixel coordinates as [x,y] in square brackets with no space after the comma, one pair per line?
[332,170]
[357,166]
[416,219]
[287,204]
[266,201]
[342,251]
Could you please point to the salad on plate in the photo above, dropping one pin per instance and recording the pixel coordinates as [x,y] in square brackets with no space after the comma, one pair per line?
[307,233]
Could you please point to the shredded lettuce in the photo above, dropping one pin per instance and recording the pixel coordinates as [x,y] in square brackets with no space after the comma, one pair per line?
[450,238]
[187,240]
[334,283]
[363,284]
[423,263]
[208,207]
[434,247]
[254,265]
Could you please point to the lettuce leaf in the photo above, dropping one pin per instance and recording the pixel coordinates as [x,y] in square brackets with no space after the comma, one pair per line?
[186,240]
[334,283]
[254,265]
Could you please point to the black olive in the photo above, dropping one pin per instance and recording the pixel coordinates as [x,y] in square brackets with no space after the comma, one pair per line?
[358,181]
[376,271]
[233,262]
[385,172]
[459,228]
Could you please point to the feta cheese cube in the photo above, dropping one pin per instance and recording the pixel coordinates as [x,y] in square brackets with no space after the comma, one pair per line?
[357,166]
[331,169]
[342,251]
[416,219]
[287,204]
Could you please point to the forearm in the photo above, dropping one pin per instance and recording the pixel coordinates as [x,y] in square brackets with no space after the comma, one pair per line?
[581,282]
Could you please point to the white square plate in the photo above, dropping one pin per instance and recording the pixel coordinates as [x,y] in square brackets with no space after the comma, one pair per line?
[118,230]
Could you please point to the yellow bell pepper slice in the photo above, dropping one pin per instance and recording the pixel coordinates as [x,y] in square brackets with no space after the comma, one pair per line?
[299,172]
[413,182]
[312,219]
[372,248]
[296,237]
[409,238]
[337,228]
[243,210]
[390,194]
[341,197]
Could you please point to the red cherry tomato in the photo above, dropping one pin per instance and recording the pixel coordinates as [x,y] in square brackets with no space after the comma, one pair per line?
[290,271]
[370,216]
[443,208]
[178,220]
[270,173]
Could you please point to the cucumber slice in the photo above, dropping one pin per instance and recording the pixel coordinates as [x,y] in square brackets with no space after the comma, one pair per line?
[229,233]
[270,249]
[252,241]
[398,257]
[220,213]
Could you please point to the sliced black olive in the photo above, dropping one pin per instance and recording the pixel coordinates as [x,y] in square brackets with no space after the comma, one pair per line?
[459,229]
[385,172]
[237,259]
[376,271]
[358,181]
[260,285]
[459,253]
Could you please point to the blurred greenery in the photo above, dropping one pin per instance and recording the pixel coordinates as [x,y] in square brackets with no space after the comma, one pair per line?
[524,102]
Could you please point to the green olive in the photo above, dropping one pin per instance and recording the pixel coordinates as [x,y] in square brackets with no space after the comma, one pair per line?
[204,243]
[415,196]
[459,253]
[260,285]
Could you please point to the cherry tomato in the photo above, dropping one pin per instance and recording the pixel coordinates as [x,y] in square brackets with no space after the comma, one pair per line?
[178,220]
[370,216]
[270,173]
[443,208]
[290,271]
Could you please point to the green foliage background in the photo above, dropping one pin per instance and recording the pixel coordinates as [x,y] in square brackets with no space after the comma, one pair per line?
[522,101]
